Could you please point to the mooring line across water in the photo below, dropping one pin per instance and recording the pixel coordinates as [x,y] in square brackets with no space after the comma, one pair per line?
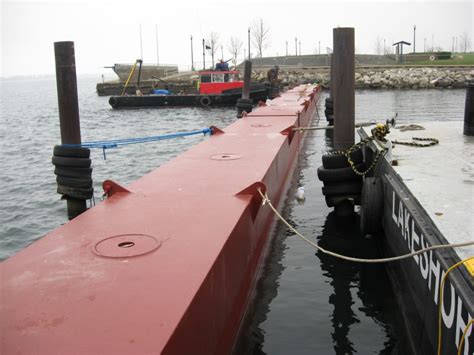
[266,200]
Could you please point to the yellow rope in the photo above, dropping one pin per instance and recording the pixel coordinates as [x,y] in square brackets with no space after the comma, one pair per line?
[461,343]
[129,77]
[441,291]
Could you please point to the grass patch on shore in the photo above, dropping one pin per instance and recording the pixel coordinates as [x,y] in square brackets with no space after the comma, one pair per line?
[459,59]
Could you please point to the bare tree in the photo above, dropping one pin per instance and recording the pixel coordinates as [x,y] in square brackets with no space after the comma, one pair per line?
[213,41]
[235,47]
[260,36]
[379,46]
[465,42]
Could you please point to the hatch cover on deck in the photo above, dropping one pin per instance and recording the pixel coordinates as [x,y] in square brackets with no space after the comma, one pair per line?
[226,156]
[126,245]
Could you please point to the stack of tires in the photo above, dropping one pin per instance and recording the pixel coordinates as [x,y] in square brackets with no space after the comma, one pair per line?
[341,184]
[73,172]
[329,110]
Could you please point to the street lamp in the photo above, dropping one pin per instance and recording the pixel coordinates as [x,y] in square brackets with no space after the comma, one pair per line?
[192,58]
[414,32]
[248,40]
[203,54]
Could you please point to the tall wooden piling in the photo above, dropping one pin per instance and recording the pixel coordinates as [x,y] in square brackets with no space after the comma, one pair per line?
[245,103]
[69,123]
[247,79]
[331,76]
[469,110]
[344,87]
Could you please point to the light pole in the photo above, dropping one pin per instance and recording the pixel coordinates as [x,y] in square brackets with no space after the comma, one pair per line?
[203,54]
[384,52]
[141,43]
[319,47]
[424,48]
[192,58]
[414,38]
[296,46]
[300,47]
[287,48]
[157,48]
[248,40]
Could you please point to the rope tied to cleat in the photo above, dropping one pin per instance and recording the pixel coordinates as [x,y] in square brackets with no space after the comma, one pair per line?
[115,143]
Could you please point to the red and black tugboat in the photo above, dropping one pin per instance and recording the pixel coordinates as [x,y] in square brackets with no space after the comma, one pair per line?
[215,88]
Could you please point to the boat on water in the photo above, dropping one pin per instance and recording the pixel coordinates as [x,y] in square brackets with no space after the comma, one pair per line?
[425,198]
[216,88]
[169,263]
[148,71]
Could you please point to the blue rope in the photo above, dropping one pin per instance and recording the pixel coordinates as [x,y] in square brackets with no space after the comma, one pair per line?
[115,143]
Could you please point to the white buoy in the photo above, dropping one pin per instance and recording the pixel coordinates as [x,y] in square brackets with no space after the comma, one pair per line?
[300,194]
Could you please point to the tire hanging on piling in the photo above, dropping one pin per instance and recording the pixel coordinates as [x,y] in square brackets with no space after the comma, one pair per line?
[73,172]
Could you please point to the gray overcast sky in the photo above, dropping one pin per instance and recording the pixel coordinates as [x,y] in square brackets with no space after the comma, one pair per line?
[107,32]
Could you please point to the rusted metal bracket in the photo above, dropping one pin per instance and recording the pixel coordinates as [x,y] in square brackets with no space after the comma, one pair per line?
[256,198]
[215,130]
[290,132]
[111,187]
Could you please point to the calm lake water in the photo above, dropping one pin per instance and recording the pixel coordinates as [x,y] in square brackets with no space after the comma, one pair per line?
[307,303]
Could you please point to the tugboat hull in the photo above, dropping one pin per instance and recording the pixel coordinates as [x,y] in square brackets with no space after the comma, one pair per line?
[183,100]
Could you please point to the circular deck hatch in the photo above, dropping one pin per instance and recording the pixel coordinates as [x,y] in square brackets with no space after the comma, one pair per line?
[226,156]
[126,245]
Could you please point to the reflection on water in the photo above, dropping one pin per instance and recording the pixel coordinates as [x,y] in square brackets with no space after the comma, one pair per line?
[368,280]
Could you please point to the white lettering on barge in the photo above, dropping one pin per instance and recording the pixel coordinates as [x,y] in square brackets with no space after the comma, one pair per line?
[431,271]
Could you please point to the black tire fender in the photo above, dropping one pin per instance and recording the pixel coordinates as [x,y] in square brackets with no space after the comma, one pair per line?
[341,174]
[76,192]
[332,201]
[73,172]
[73,152]
[74,182]
[342,188]
[72,162]
[336,161]
[371,205]
[204,101]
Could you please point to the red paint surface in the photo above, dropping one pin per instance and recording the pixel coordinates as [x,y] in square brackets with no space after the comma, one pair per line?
[217,88]
[198,241]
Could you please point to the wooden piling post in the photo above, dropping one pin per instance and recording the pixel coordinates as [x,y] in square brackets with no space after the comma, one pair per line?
[469,110]
[331,76]
[69,123]
[344,88]
[247,79]
[245,103]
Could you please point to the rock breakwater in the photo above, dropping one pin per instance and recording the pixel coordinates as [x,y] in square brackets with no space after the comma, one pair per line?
[394,78]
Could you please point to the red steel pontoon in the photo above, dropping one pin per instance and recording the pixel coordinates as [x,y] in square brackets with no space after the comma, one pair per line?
[167,265]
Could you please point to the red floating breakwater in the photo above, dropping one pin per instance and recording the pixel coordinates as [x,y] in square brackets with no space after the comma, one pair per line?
[167,264]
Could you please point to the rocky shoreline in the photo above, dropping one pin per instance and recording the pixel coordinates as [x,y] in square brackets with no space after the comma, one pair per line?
[394,78]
